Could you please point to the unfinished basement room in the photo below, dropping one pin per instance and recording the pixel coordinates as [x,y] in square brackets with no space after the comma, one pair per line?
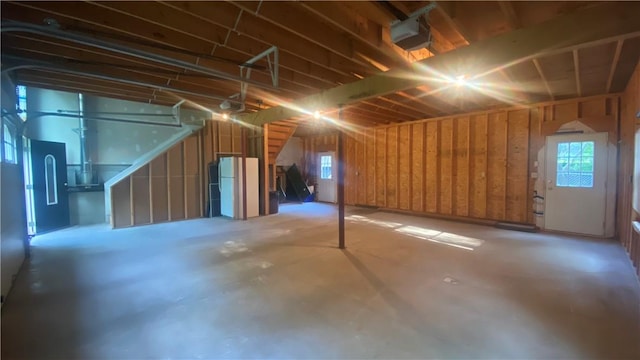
[320,180]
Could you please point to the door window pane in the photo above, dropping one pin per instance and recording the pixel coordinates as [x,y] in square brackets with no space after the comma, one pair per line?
[325,167]
[9,144]
[575,164]
[50,180]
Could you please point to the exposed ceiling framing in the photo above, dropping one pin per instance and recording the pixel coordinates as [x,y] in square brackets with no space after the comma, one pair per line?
[323,46]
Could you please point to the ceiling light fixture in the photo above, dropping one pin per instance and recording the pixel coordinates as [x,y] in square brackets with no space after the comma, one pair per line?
[461,80]
[225,116]
[316,114]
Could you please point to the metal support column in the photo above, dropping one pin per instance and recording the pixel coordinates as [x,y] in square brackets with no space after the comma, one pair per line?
[340,161]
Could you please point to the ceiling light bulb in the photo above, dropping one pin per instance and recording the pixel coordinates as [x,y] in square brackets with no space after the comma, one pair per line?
[316,114]
[225,116]
[461,80]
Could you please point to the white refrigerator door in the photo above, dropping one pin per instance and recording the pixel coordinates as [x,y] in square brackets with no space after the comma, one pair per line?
[227,197]
[227,167]
[253,185]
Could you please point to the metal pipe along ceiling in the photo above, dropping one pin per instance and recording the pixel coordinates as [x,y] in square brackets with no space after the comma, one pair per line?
[89,41]
[112,78]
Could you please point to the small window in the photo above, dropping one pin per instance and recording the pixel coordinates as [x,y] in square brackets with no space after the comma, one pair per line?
[9,144]
[21,101]
[575,164]
[325,167]
[51,183]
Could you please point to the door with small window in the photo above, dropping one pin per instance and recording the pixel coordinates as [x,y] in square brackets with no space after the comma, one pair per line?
[49,175]
[576,174]
[326,178]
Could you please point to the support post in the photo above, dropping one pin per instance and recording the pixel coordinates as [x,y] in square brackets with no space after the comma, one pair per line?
[243,144]
[265,168]
[340,161]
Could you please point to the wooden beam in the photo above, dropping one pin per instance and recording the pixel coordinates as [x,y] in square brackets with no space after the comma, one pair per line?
[289,16]
[544,79]
[510,13]
[364,29]
[445,10]
[576,66]
[565,33]
[614,64]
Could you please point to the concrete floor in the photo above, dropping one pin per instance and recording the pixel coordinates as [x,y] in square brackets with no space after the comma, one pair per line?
[277,287]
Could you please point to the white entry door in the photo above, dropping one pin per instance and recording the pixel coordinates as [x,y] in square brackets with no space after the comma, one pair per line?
[327,184]
[576,174]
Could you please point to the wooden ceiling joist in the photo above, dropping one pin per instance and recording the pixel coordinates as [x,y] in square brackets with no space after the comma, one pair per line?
[614,64]
[536,62]
[615,21]
[576,66]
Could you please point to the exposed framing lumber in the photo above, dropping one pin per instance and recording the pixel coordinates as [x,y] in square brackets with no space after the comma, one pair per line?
[447,13]
[614,64]
[576,66]
[536,62]
[565,33]
[510,13]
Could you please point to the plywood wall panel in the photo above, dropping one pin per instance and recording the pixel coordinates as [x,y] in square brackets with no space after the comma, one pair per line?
[404,167]
[236,138]
[159,189]
[192,196]
[478,166]
[536,141]
[417,167]
[141,196]
[432,171]
[593,108]
[176,198]
[392,167]
[174,161]
[565,111]
[517,165]
[191,156]
[371,160]
[629,124]
[461,167]
[349,171]
[158,166]
[361,181]
[381,166]
[176,182]
[121,203]
[225,137]
[446,167]
[473,165]
[497,165]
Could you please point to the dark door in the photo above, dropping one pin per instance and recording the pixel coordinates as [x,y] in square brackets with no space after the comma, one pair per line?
[50,198]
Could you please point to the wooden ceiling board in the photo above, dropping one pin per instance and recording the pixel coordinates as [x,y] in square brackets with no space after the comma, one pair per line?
[629,56]
[560,74]
[596,64]
[535,12]
[482,19]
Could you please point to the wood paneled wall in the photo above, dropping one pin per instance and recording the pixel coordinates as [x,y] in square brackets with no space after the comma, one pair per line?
[174,185]
[168,188]
[629,124]
[475,165]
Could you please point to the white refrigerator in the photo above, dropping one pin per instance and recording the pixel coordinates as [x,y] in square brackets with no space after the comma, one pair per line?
[230,173]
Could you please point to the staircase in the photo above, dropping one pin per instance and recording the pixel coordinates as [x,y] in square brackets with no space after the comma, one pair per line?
[278,135]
